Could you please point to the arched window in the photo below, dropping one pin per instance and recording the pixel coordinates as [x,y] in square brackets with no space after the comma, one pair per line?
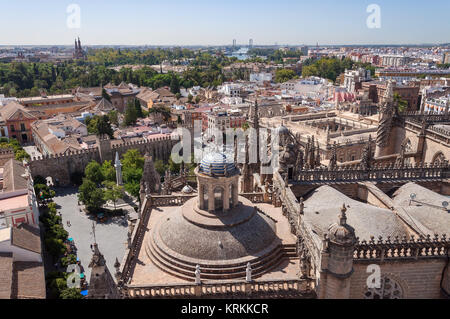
[218,198]
[389,289]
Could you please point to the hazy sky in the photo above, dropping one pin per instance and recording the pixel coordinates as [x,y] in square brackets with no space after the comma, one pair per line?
[191,22]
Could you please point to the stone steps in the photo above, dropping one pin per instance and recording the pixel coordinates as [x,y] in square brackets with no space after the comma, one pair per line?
[290,250]
[186,271]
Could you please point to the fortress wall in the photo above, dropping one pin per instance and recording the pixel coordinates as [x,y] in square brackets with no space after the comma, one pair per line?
[60,167]
[5,156]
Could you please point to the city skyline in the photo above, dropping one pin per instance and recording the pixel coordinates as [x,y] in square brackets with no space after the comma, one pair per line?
[189,24]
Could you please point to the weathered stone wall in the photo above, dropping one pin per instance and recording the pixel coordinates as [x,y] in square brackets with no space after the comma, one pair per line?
[5,156]
[336,288]
[417,278]
[60,167]
[435,142]
[159,148]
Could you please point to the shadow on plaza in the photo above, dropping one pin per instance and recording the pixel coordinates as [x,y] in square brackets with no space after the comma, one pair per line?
[121,221]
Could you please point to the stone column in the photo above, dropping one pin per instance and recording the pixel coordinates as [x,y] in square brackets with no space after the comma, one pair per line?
[211,199]
[235,192]
[201,197]
[226,197]
[118,167]
[337,260]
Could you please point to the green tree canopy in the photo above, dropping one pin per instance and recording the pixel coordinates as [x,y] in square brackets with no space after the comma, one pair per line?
[104,126]
[328,68]
[284,75]
[113,117]
[113,192]
[174,84]
[160,167]
[105,95]
[133,166]
[71,293]
[90,194]
[402,105]
[131,115]
[93,172]
[133,158]
[137,105]
[108,171]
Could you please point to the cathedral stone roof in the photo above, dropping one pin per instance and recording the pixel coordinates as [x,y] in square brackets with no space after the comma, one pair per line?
[217,164]
[326,202]
[426,210]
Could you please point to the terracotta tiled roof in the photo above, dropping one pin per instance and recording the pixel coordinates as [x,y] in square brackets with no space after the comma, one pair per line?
[14,109]
[104,105]
[13,179]
[164,92]
[26,237]
[145,95]
[6,275]
[29,280]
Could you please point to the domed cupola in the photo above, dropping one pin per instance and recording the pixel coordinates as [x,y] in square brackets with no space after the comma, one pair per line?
[342,233]
[217,164]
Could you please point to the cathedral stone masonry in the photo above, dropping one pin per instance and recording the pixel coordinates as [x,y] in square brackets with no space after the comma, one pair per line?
[330,260]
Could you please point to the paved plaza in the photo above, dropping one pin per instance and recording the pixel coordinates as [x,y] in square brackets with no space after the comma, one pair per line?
[111,236]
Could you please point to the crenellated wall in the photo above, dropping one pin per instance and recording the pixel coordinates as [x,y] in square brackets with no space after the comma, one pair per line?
[5,156]
[61,166]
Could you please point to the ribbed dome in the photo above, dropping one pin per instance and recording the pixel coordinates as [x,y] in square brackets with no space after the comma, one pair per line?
[196,241]
[217,164]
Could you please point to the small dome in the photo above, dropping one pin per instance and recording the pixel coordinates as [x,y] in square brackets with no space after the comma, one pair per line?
[187,190]
[217,164]
[342,233]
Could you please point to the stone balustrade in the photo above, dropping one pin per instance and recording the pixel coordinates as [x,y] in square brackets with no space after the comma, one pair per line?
[129,260]
[378,173]
[255,198]
[354,132]
[423,247]
[170,200]
[231,289]
[429,117]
